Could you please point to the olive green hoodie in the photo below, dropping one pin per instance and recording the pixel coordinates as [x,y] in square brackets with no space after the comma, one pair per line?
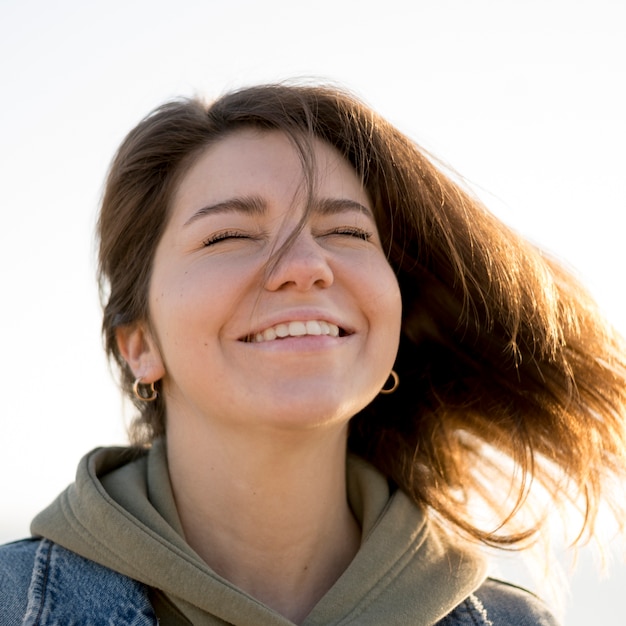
[120,513]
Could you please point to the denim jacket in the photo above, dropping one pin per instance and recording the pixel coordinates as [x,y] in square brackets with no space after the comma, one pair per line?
[43,584]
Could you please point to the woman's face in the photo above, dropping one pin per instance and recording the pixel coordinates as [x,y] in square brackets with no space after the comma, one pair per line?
[310,342]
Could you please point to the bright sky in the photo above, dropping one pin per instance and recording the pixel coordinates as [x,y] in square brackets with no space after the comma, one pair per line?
[525,99]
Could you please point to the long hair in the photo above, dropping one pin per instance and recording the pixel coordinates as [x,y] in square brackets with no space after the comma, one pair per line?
[509,374]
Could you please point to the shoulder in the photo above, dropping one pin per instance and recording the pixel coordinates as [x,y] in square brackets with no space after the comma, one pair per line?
[16,568]
[497,603]
[41,580]
[506,603]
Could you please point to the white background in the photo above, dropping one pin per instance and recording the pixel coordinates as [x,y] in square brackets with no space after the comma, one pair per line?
[526,99]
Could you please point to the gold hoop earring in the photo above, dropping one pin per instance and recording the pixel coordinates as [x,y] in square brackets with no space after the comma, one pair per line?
[144,391]
[396,383]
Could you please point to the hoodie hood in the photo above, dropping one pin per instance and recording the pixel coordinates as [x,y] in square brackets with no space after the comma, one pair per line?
[120,513]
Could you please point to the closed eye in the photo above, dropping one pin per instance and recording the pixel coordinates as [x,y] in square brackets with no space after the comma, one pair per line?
[351,231]
[222,236]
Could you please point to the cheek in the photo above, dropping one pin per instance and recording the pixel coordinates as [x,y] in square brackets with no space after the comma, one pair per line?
[176,309]
[384,295]
[197,304]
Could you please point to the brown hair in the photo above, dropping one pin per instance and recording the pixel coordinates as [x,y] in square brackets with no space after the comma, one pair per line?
[508,373]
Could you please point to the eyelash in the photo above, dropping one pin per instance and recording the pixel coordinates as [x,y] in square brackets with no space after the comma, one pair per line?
[358,233]
[227,234]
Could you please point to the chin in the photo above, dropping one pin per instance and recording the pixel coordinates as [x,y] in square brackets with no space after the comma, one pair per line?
[315,411]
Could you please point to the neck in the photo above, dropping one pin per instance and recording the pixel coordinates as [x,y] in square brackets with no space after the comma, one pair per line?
[269,513]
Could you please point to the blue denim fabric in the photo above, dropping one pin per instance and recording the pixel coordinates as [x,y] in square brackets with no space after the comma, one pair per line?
[16,570]
[497,603]
[42,584]
[508,604]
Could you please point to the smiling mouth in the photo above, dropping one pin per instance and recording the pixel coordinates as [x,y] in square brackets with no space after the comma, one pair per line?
[297,329]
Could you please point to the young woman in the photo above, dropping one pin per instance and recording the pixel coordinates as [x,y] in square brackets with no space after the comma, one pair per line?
[341,361]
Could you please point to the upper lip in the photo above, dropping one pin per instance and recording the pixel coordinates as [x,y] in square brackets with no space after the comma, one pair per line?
[297,316]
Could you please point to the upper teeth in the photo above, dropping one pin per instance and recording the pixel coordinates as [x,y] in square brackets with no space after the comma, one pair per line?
[297,329]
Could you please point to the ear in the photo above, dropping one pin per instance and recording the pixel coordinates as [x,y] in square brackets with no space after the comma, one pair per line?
[140,351]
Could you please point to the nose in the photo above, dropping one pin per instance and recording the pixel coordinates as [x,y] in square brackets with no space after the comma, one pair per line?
[301,266]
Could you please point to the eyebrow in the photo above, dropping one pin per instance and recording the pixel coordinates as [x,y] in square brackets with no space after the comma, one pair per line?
[329,206]
[254,205]
[249,204]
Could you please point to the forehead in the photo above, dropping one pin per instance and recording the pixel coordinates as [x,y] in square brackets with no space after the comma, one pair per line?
[259,162]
